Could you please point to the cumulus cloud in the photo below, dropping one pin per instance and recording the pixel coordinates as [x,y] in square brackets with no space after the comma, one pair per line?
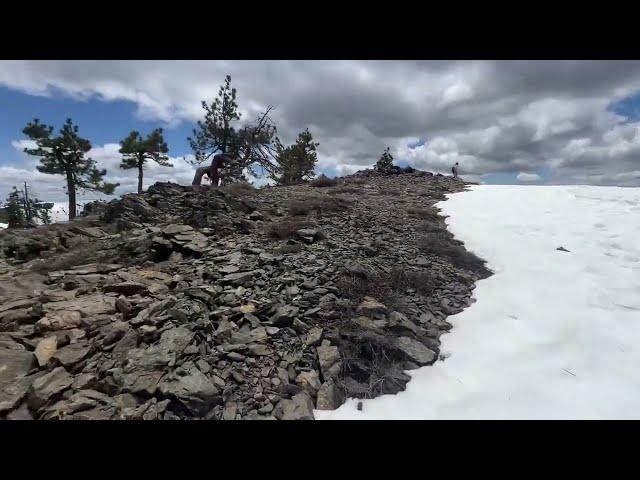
[490,116]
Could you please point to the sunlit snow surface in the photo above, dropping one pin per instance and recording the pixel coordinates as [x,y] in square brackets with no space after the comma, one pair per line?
[552,335]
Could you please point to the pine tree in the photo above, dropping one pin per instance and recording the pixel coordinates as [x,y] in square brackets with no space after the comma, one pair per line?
[44,214]
[15,209]
[136,151]
[216,133]
[250,145]
[385,163]
[296,163]
[23,209]
[65,155]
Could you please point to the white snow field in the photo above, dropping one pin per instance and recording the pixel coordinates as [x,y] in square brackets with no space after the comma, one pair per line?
[552,335]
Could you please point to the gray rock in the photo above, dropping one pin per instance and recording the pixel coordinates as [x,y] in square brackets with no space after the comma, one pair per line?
[21,413]
[14,364]
[140,382]
[284,316]
[272,330]
[314,337]
[230,411]
[235,356]
[21,304]
[299,326]
[300,407]
[87,305]
[191,388]
[415,350]
[72,354]
[176,339]
[228,269]
[175,229]
[154,411]
[124,307]
[12,394]
[401,324]
[203,366]
[8,343]
[309,382]
[127,288]
[257,335]
[126,344]
[47,386]
[115,331]
[187,309]
[45,349]
[21,315]
[367,324]
[329,396]
[94,405]
[239,278]
[307,234]
[370,306]
[85,381]
[259,350]
[330,363]
[59,321]
[430,318]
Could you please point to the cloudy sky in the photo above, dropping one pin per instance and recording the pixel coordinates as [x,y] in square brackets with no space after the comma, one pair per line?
[525,122]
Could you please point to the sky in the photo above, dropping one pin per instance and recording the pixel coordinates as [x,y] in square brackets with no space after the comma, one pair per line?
[504,122]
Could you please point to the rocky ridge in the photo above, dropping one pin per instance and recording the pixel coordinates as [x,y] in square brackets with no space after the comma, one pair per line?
[230,303]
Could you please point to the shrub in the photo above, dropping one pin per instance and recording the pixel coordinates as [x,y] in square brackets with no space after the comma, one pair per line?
[289,248]
[320,204]
[442,244]
[82,254]
[324,181]
[355,181]
[344,189]
[431,227]
[393,192]
[286,229]
[238,188]
[425,213]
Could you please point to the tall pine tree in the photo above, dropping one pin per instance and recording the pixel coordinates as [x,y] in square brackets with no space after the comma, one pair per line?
[296,163]
[15,210]
[216,133]
[64,154]
[136,151]
[219,132]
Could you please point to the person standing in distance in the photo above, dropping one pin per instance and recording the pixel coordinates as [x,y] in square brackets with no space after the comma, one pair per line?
[454,170]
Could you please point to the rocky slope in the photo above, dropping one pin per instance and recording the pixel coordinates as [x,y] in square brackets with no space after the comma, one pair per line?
[230,303]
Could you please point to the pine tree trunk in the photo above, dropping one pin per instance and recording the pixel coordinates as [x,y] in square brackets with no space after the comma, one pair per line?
[71,188]
[139,177]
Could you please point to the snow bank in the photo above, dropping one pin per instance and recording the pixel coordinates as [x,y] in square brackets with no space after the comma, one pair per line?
[60,210]
[553,335]
[4,225]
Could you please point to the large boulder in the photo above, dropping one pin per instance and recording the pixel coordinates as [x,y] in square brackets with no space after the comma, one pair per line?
[416,351]
[299,407]
[49,386]
[14,364]
[192,388]
[329,396]
[329,359]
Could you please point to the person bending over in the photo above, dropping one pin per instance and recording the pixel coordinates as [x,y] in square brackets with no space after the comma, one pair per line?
[219,161]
